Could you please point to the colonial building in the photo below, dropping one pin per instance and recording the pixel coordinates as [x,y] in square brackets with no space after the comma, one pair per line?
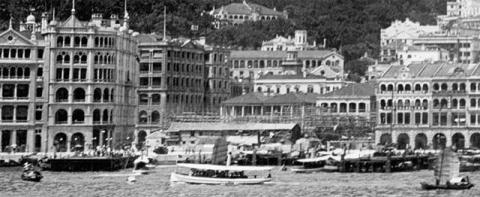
[217,75]
[459,9]
[293,77]
[24,90]
[354,103]
[400,34]
[412,54]
[298,43]
[238,13]
[171,81]
[68,84]
[253,63]
[423,105]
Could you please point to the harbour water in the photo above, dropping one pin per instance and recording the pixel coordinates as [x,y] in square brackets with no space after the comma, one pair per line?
[285,183]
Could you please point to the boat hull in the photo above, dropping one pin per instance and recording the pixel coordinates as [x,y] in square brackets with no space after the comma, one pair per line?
[306,170]
[216,181]
[31,176]
[427,186]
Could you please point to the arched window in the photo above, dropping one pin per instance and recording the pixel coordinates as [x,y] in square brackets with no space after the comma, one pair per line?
[105,115]
[20,72]
[59,59]
[61,95]
[59,41]
[61,116]
[106,95]
[96,115]
[155,117]
[84,41]
[79,95]
[418,87]
[259,89]
[66,59]
[97,95]
[76,59]
[142,117]
[425,88]
[78,116]
[67,41]
[473,87]
[83,59]
[112,95]
[27,72]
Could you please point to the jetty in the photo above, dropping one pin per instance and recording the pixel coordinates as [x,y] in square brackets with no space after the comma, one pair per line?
[385,163]
[89,163]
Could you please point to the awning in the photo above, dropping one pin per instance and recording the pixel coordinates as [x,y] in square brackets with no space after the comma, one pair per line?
[223,168]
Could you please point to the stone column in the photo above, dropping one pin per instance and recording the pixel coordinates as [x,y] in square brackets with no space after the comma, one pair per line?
[467,139]
[243,111]
[13,137]
[1,134]
[30,141]
[68,141]
[100,138]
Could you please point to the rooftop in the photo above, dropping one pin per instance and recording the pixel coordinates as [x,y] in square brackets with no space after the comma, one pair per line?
[433,70]
[216,126]
[355,90]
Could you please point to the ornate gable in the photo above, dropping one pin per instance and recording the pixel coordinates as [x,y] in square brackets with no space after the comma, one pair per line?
[12,37]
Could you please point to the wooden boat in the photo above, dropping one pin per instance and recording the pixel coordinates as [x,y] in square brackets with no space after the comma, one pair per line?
[31,175]
[219,175]
[447,169]
[310,165]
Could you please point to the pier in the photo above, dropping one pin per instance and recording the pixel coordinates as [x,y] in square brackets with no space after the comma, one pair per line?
[385,164]
[89,163]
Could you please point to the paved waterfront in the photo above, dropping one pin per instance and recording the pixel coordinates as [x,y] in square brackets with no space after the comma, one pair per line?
[285,184]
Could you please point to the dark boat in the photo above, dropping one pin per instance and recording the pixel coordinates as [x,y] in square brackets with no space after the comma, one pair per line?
[32,175]
[447,168]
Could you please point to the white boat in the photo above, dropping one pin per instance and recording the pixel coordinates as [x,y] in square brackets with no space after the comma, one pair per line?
[230,175]
[140,165]
[310,165]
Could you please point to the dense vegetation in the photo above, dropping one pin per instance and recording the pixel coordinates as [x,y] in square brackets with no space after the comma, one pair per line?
[352,26]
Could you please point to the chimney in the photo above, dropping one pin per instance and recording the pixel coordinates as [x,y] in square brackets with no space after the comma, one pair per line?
[324,43]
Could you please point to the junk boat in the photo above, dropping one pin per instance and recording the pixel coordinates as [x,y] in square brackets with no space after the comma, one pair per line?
[220,174]
[30,174]
[447,168]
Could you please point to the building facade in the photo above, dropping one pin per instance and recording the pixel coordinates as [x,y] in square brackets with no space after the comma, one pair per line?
[218,82]
[400,34]
[352,104]
[294,78]
[298,43]
[238,13]
[74,84]
[253,63]
[425,105]
[171,81]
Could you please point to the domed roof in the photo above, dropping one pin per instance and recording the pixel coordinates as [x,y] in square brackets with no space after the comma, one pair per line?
[30,19]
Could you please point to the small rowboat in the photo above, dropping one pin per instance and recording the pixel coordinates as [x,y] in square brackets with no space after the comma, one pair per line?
[214,178]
